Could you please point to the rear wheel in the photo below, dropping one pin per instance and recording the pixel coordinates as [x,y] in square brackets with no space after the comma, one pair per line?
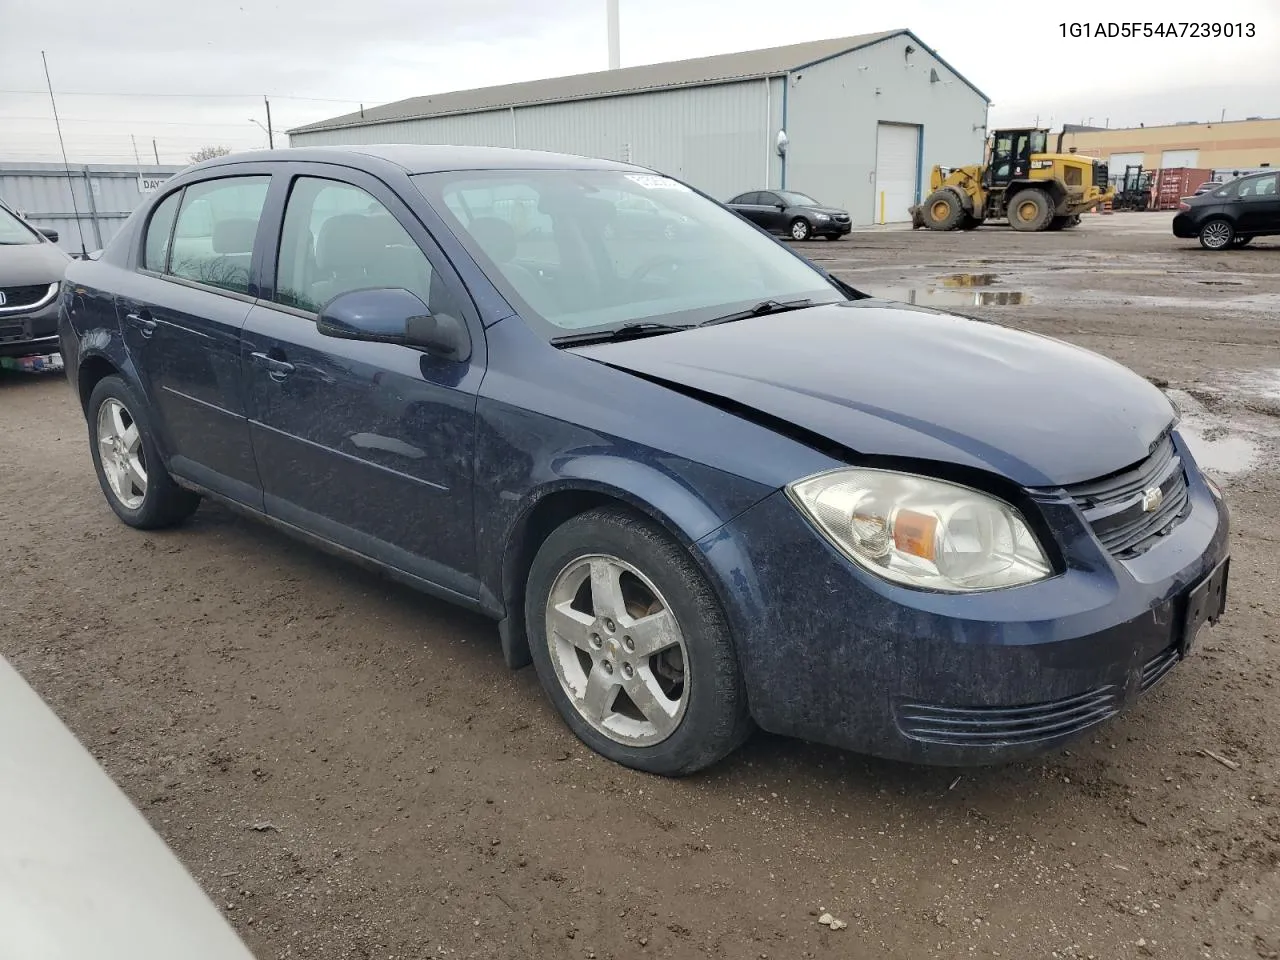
[800,229]
[1030,210]
[129,468]
[1217,235]
[632,647]
[943,210]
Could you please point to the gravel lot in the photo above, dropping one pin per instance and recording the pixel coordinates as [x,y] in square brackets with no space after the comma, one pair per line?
[350,771]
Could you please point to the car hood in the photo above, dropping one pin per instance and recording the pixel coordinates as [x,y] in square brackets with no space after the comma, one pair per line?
[885,379]
[26,264]
[829,211]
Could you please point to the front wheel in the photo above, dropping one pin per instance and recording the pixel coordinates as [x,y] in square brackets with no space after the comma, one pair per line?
[631,645]
[800,229]
[130,471]
[943,211]
[1217,235]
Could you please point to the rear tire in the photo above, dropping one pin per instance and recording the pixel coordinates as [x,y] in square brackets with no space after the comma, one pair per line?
[1217,234]
[129,467]
[585,638]
[799,229]
[942,210]
[1030,210]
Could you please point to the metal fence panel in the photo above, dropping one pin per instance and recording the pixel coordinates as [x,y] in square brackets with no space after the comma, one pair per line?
[104,196]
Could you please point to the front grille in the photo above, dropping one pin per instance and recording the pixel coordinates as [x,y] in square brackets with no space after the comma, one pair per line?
[23,296]
[1154,670]
[1114,505]
[999,726]
[1100,175]
[841,218]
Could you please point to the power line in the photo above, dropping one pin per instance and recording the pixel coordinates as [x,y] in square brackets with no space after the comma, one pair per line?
[192,96]
[139,121]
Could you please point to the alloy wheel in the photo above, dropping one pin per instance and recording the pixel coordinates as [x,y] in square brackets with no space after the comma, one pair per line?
[800,230]
[618,650]
[120,452]
[1216,235]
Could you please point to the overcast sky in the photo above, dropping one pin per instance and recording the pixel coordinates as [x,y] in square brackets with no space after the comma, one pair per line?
[193,74]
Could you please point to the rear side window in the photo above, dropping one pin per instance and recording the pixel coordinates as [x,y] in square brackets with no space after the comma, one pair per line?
[214,233]
[745,198]
[155,254]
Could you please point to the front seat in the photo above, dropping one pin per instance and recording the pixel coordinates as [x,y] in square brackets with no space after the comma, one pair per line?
[497,239]
[342,252]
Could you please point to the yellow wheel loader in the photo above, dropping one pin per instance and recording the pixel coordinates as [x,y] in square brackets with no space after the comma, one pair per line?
[1020,181]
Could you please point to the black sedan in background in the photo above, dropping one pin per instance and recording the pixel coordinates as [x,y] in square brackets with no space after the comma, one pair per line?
[31,267]
[791,214]
[1233,214]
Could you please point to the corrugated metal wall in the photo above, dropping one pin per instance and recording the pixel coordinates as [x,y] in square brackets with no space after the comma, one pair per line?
[718,137]
[104,197]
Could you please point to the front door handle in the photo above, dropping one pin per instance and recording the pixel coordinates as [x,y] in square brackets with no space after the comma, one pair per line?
[276,369]
[142,320]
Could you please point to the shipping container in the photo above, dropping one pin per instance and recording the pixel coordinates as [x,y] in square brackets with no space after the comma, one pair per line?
[1177,182]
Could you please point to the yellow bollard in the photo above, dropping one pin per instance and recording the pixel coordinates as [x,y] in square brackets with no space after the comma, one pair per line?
[882,206]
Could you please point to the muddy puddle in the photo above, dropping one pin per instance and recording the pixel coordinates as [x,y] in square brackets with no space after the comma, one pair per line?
[954,290]
[1222,442]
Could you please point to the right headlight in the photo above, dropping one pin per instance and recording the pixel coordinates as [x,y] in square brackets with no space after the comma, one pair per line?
[920,532]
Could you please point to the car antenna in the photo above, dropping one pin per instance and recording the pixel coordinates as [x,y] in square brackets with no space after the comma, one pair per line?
[84,253]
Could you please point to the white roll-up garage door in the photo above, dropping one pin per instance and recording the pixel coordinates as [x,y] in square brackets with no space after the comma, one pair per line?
[897,171]
[1172,159]
[1118,161]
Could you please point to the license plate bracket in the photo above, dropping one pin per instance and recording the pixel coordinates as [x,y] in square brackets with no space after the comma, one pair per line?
[1206,603]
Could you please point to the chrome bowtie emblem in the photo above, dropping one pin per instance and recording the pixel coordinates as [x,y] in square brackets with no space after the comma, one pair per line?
[1152,497]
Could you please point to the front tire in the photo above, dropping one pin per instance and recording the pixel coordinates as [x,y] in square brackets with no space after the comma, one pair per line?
[130,471]
[800,229]
[632,647]
[1030,210]
[1217,235]
[943,210]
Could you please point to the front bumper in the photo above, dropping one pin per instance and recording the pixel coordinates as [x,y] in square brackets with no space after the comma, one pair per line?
[26,334]
[832,654]
[832,229]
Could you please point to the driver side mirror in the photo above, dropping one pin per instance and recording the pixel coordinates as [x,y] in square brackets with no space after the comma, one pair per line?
[50,235]
[780,205]
[394,315]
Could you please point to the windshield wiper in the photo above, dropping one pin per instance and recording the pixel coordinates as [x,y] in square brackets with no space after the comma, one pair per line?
[628,331]
[761,309]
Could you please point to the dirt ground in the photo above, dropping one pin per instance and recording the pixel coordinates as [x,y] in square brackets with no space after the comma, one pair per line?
[351,772]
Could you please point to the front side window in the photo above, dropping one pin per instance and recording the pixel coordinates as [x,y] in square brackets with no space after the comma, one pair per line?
[338,238]
[214,234]
[13,231]
[155,253]
[1038,142]
[568,251]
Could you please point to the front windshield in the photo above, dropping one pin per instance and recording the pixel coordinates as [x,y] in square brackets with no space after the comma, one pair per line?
[13,230]
[595,249]
[798,199]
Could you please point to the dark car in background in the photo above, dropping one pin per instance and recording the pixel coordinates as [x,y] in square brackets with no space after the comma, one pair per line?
[1233,214]
[31,268]
[791,214]
[700,485]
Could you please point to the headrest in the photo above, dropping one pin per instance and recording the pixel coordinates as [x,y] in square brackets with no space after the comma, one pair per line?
[496,237]
[234,236]
[343,244]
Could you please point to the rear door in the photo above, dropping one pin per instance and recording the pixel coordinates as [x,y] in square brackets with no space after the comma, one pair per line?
[182,311]
[369,445]
[1257,205]
[773,212]
[749,206]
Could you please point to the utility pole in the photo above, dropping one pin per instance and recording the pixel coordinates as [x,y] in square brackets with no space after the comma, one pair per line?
[615,43]
[271,139]
[155,150]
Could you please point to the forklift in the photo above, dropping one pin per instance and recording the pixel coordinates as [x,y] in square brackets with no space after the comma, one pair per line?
[1133,192]
[1020,181]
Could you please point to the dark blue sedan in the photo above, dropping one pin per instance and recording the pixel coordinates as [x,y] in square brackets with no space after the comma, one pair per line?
[700,483]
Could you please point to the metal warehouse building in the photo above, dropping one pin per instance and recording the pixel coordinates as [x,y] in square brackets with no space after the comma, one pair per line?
[856,122]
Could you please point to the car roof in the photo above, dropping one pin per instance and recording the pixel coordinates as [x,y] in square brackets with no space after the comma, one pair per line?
[422,158]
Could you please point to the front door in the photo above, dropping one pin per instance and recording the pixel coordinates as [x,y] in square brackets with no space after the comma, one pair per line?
[1257,203]
[370,445]
[182,312]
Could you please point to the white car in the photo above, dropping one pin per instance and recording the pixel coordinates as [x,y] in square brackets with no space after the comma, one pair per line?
[82,875]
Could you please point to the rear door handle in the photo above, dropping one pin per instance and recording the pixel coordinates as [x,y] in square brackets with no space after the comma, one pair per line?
[276,369]
[142,320]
